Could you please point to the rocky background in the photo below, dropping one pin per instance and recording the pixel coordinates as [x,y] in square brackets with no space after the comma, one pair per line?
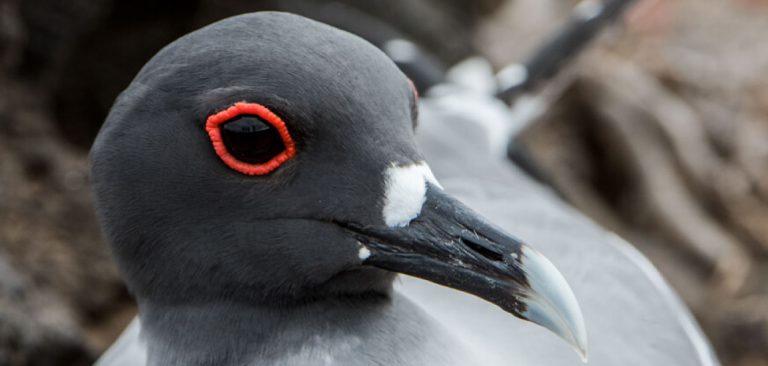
[658,132]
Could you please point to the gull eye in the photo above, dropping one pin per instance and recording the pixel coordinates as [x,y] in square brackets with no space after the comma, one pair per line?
[414,103]
[250,139]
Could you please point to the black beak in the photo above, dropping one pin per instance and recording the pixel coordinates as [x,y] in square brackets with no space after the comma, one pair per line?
[451,245]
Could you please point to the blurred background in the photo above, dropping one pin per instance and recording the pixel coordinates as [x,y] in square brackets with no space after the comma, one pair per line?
[659,132]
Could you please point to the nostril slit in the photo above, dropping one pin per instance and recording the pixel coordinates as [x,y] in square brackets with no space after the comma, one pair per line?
[482,250]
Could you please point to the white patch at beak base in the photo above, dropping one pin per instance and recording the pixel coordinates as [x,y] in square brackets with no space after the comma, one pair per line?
[405,192]
[363,253]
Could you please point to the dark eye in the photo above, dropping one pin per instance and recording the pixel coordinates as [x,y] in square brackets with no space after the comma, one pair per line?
[250,139]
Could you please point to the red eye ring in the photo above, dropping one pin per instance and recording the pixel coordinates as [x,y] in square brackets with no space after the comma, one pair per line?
[413,89]
[214,121]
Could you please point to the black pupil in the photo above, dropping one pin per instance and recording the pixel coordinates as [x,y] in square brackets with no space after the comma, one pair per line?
[251,139]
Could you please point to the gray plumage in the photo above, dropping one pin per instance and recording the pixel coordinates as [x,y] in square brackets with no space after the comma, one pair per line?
[632,316]
[234,307]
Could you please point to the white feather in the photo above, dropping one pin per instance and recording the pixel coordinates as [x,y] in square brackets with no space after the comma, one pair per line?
[405,192]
